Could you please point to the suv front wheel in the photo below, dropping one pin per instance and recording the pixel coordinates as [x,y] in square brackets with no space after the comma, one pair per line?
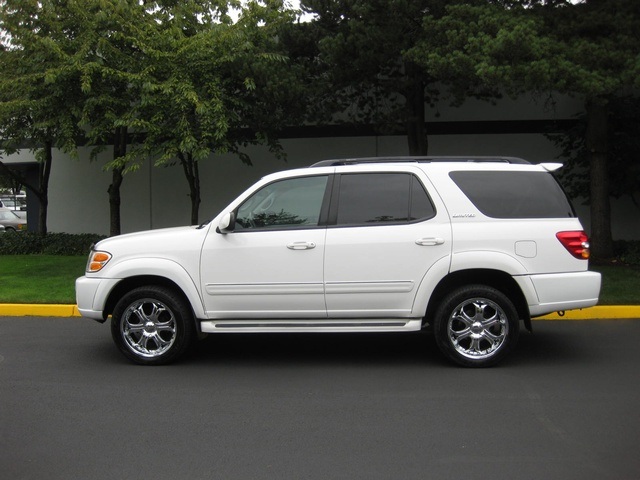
[152,326]
[476,326]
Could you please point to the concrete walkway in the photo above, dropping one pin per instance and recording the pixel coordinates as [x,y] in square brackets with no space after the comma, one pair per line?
[599,312]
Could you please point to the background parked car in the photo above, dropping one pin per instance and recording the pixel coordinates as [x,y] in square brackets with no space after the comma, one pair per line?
[12,222]
[17,203]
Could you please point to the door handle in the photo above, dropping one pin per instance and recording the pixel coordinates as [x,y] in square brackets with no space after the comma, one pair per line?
[430,241]
[301,245]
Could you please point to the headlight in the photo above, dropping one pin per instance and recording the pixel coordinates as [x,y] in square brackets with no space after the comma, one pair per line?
[97,260]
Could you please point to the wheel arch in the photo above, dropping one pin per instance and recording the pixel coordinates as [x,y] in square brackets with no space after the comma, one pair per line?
[497,279]
[131,283]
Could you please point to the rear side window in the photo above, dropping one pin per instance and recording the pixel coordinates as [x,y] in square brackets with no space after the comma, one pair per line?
[380,198]
[514,194]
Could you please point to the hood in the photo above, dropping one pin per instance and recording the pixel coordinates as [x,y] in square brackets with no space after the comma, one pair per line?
[163,242]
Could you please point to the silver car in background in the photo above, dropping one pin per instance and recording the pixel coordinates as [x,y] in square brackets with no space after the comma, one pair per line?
[12,222]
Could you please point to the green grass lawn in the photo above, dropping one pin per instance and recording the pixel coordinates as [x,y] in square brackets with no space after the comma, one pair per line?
[50,279]
[39,278]
[620,284]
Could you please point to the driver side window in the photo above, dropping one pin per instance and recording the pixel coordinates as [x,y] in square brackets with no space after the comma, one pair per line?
[290,203]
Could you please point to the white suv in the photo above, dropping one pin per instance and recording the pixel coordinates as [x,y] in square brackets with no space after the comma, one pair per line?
[470,246]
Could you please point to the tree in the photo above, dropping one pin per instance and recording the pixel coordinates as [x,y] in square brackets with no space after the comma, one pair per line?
[623,165]
[111,60]
[9,184]
[212,86]
[588,49]
[38,102]
[71,66]
[358,52]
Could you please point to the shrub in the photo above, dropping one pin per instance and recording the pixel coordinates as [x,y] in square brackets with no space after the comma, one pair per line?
[627,251]
[29,243]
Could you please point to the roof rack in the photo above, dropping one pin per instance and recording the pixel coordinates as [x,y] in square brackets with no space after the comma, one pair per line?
[434,159]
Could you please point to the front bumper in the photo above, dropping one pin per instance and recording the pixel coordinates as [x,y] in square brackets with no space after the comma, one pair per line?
[92,294]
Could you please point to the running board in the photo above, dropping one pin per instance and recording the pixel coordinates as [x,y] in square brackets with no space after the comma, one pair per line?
[319,325]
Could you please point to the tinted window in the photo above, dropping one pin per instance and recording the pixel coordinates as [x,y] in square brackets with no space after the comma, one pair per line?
[290,203]
[421,206]
[381,198]
[514,194]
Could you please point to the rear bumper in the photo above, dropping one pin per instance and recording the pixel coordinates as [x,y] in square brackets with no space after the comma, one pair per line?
[564,291]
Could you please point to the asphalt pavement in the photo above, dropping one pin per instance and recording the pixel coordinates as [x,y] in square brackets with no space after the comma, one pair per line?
[564,405]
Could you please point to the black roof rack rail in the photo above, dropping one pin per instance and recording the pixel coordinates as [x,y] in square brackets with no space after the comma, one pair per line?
[430,159]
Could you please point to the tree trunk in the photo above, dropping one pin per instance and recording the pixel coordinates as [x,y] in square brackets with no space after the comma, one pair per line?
[191,172]
[44,172]
[598,149]
[114,202]
[415,111]
[119,150]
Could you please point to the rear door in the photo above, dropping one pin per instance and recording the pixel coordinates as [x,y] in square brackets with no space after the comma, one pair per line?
[386,229]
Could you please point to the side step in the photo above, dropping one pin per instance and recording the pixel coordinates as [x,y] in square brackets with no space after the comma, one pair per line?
[316,325]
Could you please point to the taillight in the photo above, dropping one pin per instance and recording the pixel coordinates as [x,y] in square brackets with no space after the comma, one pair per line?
[577,243]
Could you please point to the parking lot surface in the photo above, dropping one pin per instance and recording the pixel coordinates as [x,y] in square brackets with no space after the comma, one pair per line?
[563,406]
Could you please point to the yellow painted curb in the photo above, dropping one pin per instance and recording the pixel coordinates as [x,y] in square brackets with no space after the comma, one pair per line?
[25,310]
[601,312]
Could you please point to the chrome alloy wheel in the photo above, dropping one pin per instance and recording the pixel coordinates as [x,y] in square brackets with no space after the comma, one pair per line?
[148,328]
[477,328]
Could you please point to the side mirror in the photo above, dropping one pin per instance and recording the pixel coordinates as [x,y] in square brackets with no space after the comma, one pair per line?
[227,223]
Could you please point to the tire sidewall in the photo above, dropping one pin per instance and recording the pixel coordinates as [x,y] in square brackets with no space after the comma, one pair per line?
[183,324]
[451,303]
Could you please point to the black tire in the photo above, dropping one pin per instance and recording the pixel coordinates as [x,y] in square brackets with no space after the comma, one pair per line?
[152,325]
[476,326]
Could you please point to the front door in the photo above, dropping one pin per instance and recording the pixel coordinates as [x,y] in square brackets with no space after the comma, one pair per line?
[271,264]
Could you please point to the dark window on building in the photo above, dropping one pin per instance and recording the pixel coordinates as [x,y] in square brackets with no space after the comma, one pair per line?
[514,194]
[378,198]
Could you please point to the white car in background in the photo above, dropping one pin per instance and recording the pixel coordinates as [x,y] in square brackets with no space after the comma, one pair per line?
[16,203]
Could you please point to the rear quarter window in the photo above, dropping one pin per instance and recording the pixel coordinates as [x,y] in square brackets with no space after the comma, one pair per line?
[514,194]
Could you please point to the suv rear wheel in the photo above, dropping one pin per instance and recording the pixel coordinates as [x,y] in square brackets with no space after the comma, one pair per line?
[476,326]
[152,326]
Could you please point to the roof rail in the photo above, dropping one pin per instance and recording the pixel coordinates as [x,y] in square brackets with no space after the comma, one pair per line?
[434,159]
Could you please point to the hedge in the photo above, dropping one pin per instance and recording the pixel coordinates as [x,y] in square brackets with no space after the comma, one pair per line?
[627,251]
[30,243]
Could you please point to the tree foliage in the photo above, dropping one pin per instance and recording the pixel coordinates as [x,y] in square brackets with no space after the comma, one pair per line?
[111,61]
[360,51]
[623,165]
[212,85]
